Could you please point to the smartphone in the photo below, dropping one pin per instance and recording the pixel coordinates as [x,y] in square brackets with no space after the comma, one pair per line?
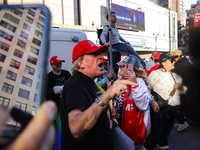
[24,42]
[129,68]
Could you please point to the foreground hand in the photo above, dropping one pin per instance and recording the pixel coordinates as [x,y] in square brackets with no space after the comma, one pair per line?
[130,76]
[39,133]
[154,106]
[114,90]
[109,84]
[178,86]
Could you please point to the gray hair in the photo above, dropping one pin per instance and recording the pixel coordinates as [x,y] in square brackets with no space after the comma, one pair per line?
[75,66]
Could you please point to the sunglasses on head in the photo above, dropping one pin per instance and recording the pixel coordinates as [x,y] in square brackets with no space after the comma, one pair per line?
[58,64]
[173,60]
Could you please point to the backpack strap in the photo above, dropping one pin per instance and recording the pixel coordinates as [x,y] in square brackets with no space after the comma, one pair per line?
[107,38]
[106,26]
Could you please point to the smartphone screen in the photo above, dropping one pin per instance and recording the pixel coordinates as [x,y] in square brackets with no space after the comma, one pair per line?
[129,68]
[24,36]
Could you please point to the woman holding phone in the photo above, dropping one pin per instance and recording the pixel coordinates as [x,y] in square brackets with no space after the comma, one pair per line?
[166,88]
[133,106]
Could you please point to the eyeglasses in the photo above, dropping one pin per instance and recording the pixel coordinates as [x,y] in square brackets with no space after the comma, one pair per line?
[58,64]
[173,60]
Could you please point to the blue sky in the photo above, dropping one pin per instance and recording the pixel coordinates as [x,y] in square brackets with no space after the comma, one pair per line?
[188,3]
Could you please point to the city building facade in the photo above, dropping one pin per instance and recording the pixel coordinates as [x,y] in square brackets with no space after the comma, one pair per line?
[195,9]
[192,20]
[177,6]
[160,23]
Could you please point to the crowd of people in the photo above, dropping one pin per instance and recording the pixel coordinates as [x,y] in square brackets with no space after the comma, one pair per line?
[92,101]
[144,103]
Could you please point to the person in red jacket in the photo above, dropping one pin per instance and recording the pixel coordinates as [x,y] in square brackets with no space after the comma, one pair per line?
[133,109]
[157,64]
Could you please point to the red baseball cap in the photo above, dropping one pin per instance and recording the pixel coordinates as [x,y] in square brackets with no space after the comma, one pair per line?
[105,60]
[86,47]
[55,60]
[156,56]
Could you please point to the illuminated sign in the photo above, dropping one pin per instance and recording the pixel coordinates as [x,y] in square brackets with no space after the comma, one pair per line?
[128,18]
[197,22]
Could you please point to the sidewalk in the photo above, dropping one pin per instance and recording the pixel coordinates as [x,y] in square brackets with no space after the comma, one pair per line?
[188,139]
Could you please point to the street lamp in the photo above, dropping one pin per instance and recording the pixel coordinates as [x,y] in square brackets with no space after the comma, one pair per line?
[156,35]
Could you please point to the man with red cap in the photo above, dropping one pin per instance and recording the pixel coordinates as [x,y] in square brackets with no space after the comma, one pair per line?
[83,108]
[157,64]
[56,79]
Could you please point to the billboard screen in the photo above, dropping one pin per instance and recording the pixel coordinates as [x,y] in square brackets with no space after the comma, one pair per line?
[128,18]
[196,22]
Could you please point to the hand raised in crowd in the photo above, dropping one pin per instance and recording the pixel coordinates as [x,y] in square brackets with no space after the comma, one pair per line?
[130,76]
[119,87]
[154,106]
[106,43]
[111,73]
[39,133]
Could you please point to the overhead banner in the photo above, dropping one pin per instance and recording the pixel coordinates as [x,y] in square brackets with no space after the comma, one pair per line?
[128,18]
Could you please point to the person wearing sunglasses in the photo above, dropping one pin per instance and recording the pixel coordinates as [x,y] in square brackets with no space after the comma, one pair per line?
[166,89]
[56,79]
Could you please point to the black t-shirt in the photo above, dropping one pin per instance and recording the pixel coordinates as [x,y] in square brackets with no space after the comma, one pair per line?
[56,80]
[80,92]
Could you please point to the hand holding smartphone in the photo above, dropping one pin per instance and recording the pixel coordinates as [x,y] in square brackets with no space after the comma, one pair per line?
[24,36]
[130,74]
[129,68]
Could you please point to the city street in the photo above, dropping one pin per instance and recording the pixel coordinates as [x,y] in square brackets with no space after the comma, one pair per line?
[188,139]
